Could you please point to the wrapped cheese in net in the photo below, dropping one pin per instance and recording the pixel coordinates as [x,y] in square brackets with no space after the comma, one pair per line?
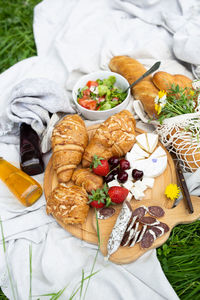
[181,135]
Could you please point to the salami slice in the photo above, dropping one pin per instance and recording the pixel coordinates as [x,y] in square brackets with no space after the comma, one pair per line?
[139,212]
[132,233]
[142,232]
[125,238]
[105,213]
[158,231]
[149,221]
[147,240]
[164,226]
[131,224]
[119,228]
[156,211]
[133,241]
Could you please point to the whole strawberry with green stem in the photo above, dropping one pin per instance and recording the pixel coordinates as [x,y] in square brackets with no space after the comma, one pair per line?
[99,197]
[100,166]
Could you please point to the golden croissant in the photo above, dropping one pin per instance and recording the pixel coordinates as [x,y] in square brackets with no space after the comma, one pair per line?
[114,137]
[88,180]
[68,204]
[69,139]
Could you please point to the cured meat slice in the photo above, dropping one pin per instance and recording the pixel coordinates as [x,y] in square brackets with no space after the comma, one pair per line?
[142,232]
[158,231]
[130,225]
[147,240]
[164,226]
[132,233]
[156,211]
[119,228]
[125,238]
[133,241]
[149,221]
[153,233]
[105,213]
[139,212]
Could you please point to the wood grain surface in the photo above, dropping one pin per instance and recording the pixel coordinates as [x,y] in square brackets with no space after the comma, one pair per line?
[155,196]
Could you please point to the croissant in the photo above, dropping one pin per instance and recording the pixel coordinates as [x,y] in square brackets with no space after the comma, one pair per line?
[114,137]
[69,139]
[86,179]
[131,69]
[164,80]
[68,205]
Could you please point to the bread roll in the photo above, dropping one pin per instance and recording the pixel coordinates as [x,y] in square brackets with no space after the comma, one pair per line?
[114,137]
[68,205]
[69,139]
[164,80]
[88,180]
[145,90]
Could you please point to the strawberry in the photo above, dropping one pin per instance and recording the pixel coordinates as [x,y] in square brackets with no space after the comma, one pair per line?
[117,194]
[99,197]
[100,166]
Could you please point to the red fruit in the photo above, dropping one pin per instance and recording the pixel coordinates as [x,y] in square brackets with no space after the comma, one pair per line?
[100,166]
[117,194]
[96,204]
[122,176]
[124,164]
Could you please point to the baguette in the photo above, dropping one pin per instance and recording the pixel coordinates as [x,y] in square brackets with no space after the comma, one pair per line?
[145,90]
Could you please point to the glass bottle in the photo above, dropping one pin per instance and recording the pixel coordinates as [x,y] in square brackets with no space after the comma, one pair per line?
[25,188]
[31,161]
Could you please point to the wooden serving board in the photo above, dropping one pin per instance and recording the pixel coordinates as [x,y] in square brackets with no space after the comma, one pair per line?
[155,196]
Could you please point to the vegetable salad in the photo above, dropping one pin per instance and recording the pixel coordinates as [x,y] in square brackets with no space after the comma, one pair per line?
[101,94]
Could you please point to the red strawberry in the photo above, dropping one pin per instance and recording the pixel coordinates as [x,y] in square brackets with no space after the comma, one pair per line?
[99,197]
[96,204]
[117,194]
[100,166]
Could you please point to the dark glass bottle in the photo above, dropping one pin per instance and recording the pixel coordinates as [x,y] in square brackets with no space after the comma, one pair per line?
[31,161]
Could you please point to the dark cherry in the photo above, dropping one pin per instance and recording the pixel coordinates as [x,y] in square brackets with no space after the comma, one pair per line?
[137,174]
[109,177]
[114,171]
[122,176]
[113,161]
[124,164]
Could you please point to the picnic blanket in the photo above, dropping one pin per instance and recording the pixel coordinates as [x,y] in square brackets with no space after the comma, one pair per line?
[73,38]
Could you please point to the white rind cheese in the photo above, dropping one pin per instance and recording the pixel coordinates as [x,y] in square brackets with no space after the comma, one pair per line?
[159,152]
[151,167]
[152,140]
[142,141]
[139,151]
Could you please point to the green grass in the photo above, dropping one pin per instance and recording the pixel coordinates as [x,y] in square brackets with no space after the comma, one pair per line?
[180,255]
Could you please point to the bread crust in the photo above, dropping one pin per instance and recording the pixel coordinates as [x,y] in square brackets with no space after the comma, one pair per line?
[68,204]
[164,80]
[145,90]
[114,137]
[88,180]
[69,139]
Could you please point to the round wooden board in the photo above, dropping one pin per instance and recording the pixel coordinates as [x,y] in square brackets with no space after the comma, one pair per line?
[155,196]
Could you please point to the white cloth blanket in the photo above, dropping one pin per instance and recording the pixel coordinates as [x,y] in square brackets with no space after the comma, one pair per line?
[72,38]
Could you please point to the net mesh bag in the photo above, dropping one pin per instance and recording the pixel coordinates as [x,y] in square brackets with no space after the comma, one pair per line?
[180,135]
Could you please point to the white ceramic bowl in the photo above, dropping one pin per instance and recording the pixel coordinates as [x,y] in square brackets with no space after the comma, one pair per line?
[121,82]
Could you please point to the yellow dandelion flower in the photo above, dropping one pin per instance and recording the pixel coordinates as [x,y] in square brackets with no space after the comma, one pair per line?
[161,94]
[172,191]
[192,93]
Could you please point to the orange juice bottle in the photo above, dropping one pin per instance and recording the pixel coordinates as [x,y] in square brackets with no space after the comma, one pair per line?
[25,188]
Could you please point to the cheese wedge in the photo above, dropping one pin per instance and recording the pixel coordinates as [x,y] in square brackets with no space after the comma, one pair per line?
[141,139]
[138,151]
[138,195]
[140,185]
[133,156]
[113,183]
[151,167]
[152,140]
[128,184]
[159,152]
[148,181]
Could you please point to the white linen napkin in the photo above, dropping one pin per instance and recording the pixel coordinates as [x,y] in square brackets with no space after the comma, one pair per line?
[31,101]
